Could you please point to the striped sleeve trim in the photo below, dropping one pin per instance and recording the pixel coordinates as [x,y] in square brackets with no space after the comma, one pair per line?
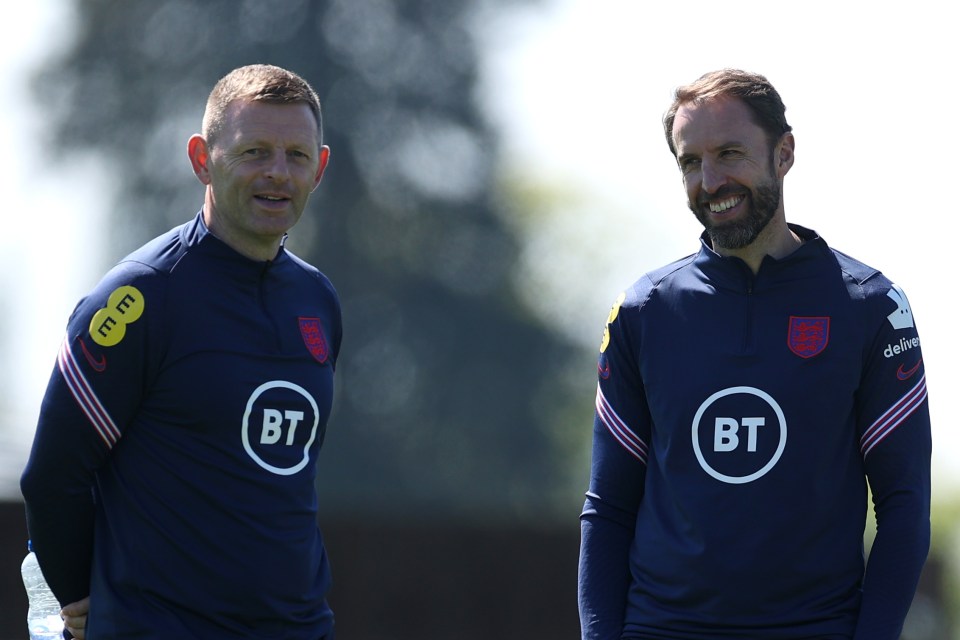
[894,417]
[619,429]
[84,395]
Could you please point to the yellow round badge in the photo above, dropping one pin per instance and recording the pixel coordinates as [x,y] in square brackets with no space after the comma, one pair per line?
[109,325]
[614,311]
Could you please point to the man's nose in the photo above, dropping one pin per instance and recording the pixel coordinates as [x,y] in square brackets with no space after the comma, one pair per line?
[278,168]
[712,176]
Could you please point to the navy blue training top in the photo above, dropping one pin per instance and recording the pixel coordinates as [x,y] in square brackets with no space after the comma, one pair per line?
[738,420]
[172,473]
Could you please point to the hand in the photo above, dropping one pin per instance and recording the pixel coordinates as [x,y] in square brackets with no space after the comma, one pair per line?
[75,617]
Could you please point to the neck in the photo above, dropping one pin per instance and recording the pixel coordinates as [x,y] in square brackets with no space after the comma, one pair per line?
[258,248]
[776,240]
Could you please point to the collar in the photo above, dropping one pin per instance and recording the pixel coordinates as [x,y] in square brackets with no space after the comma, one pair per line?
[733,273]
[196,234]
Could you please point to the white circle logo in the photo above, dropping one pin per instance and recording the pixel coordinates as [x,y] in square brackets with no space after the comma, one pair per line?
[740,442]
[281,425]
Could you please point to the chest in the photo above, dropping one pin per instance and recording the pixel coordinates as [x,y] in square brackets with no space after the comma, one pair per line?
[247,370]
[747,378]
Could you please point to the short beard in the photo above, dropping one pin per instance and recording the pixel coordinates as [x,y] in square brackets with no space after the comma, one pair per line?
[737,234]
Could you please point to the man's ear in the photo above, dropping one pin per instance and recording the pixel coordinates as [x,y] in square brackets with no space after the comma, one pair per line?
[324,159]
[785,149]
[199,154]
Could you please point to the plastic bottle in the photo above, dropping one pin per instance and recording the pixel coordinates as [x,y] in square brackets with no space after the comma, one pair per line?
[43,616]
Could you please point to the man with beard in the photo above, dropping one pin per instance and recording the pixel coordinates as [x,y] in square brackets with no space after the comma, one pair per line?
[746,396]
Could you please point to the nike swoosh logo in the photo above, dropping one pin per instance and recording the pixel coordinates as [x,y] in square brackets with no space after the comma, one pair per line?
[904,375]
[98,365]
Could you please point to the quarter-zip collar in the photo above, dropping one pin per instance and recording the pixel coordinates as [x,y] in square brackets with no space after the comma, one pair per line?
[242,268]
[729,272]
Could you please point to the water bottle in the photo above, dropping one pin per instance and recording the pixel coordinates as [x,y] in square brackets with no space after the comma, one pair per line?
[43,616]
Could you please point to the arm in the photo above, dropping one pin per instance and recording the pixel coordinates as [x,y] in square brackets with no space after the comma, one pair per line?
[57,486]
[896,447]
[93,392]
[899,474]
[620,436]
[606,525]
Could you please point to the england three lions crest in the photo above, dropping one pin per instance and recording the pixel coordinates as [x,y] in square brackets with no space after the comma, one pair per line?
[312,331]
[808,336]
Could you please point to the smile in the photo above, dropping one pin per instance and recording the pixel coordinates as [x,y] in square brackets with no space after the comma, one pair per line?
[728,203]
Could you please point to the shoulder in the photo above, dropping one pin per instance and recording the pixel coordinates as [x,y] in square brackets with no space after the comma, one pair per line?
[673,272]
[143,274]
[857,272]
[309,275]
[137,284]
[633,301]
[146,267]
[863,282]
[877,297]
[163,253]
[666,278]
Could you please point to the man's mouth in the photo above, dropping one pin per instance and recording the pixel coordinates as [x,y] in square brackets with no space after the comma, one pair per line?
[725,204]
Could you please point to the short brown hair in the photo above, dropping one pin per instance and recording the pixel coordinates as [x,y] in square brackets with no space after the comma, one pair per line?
[752,88]
[258,82]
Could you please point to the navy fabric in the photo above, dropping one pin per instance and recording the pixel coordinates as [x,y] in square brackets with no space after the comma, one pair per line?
[739,419]
[172,475]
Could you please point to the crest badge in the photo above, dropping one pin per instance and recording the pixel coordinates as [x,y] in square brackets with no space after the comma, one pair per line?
[808,336]
[312,331]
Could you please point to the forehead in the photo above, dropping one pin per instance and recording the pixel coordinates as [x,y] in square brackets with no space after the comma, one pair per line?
[277,122]
[714,123]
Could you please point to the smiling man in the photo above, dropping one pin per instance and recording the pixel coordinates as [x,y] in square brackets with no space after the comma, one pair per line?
[746,396]
[170,489]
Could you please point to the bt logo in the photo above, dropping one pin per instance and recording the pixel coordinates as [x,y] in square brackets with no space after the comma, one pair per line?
[739,434]
[277,436]
[726,433]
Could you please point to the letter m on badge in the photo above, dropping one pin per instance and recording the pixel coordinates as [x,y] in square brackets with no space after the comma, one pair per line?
[808,336]
[312,332]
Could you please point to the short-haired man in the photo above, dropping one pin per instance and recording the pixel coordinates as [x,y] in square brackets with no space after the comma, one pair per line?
[170,487]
